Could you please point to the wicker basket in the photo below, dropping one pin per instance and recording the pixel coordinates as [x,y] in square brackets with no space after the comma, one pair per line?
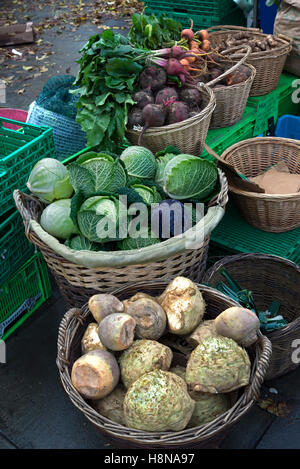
[269,278]
[272,213]
[188,135]
[77,282]
[269,64]
[209,435]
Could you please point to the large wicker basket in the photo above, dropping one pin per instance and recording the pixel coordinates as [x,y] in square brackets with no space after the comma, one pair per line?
[269,278]
[78,282]
[269,64]
[209,435]
[188,135]
[273,213]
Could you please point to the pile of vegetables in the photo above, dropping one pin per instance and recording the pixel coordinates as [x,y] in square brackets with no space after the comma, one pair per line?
[128,374]
[246,38]
[92,203]
[148,74]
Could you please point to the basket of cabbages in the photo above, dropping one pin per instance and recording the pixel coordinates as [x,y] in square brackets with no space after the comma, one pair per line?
[162,365]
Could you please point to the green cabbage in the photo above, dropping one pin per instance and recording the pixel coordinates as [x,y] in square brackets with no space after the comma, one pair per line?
[98,219]
[190,177]
[55,219]
[80,243]
[149,195]
[162,162]
[145,239]
[139,162]
[49,181]
[97,173]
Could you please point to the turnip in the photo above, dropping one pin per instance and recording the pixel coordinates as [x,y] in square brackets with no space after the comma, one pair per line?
[95,374]
[177,112]
[165,95]
[101,305]
[150,318]
[135,117]
[239,324]
[153,78]
[142,98]
[116,331]
[154,115]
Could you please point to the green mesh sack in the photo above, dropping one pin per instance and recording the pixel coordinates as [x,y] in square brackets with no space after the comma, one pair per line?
[56,96]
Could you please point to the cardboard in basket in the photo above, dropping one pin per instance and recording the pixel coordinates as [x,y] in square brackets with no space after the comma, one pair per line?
[16,34]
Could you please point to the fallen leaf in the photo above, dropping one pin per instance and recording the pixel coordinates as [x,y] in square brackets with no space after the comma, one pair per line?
[278,408]
[21,91]
[27,68]
[68,70]
[43,69]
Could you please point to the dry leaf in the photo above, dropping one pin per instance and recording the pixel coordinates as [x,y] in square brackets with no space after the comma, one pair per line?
[21,91]
[275,407]
[43,69]
[27,68]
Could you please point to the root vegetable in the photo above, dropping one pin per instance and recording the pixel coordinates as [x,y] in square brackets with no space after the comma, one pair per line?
[141,358]
[240,324]
[135,117]
[150,318]
[203,331]
[95,374]
[165,95]
[188,33]
[142,98]
[137,296]
[154,116]
[191,96]
[116,331]
[102,305]
[203,34]
[153,78]
[90,340]
[183,304]
[205,45]
[111,406]
[177,112]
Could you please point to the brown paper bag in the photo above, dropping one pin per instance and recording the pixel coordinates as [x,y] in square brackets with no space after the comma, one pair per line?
[288,22]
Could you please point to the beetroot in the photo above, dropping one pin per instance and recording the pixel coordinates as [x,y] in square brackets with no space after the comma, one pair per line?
[177,112]
[142,98]
[153,78]
[165,95]
[191,96]
[135,117]
[154,115]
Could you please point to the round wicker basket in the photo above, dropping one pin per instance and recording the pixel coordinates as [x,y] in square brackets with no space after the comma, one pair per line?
[188,135]
[78,282]
[268,212]
[269,278]
[71,330]
[269,64]
[231,102]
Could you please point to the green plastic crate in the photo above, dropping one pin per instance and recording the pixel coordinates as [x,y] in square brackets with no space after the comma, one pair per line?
[234,235]
[213,7]
[19,151]
[22,294]
[280,102]
[15,249]
[221,139]
[202,20]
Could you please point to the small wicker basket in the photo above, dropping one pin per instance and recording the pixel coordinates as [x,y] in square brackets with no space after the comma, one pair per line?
[268,212]
[78,282]
[269,64]
[269,278]
[211,434]
[188,135]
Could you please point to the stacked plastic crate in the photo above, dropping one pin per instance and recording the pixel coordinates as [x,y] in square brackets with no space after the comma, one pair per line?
[24,281]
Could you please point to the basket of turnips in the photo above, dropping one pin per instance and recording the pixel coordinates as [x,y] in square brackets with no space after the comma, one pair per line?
[106,220]
[268,53]
[162,364]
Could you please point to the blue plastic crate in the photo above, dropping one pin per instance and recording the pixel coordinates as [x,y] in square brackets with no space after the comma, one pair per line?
[288,126]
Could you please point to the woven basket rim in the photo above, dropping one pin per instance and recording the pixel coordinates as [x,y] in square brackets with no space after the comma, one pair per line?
[286,42]
[187,122]
[263,257]
[238,85]
[245,401]
[263,141]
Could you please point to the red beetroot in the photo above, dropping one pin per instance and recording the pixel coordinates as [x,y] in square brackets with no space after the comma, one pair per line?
[135,117]
[191,96]
[177,112]
[165,95]
[142,98]
[153,78]
[154,115]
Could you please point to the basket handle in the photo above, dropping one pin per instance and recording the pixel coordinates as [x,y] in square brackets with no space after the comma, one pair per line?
[262,366]
[62,359]
[227,27]
[234,67]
